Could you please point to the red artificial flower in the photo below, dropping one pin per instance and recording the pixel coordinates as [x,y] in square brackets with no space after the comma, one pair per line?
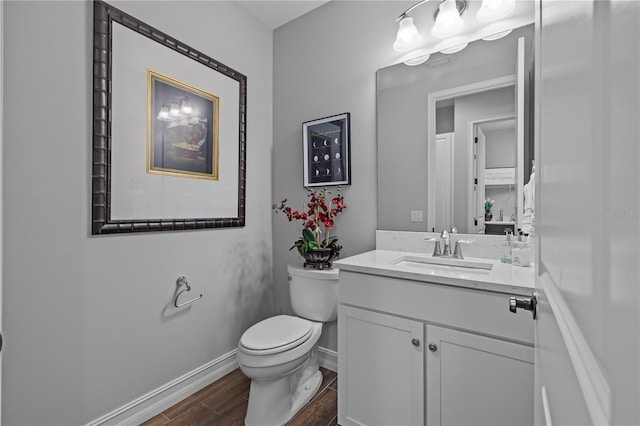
[319,212]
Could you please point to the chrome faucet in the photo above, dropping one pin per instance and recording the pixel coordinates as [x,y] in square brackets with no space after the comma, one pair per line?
[447,243]
[446,252]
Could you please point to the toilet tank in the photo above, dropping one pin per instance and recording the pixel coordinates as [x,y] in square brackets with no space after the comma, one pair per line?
[313,292]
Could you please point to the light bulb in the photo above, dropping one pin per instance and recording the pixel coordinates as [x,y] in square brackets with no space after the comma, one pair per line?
[408,36]
[448,21]
[492,10]
[174,110]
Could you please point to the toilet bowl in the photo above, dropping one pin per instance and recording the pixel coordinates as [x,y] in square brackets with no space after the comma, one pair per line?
[280,354]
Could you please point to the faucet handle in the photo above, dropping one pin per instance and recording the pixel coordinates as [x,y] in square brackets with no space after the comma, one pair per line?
[457,251]
[436,247]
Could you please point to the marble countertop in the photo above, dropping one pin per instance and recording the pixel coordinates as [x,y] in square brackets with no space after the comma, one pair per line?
[504,278]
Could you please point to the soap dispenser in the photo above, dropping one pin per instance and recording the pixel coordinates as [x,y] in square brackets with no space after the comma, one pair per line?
[521,252]
[506,253]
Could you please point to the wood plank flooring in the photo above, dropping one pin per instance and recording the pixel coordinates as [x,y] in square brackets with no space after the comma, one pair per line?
[224,403]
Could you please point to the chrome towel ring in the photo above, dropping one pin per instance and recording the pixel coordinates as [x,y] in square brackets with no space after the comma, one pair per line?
[182,281]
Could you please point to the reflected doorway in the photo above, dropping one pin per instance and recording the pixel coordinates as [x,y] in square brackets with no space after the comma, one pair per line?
[495,163]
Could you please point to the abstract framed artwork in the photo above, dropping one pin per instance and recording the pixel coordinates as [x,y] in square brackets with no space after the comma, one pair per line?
[326,148]
[169,132]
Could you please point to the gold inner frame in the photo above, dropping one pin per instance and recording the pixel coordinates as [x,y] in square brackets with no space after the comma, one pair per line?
[153,76]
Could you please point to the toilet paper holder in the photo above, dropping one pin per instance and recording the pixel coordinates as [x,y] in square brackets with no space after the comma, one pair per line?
[182,282]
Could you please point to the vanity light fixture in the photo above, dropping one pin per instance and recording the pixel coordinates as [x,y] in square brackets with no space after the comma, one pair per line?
[449,24]
[454,49]
[497,36]
[416,57]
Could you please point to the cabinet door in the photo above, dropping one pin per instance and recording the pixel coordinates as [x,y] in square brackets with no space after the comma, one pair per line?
[380,369]
[477,380]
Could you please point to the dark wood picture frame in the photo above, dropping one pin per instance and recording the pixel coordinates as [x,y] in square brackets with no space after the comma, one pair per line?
[102,223]
[326,145]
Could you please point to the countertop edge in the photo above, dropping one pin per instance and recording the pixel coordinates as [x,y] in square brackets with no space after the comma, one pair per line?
[356,264]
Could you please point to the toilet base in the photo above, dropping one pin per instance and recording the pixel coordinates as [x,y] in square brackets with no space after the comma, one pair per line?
[274,403]
[305,394]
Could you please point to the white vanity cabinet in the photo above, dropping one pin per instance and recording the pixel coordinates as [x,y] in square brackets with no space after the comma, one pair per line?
[477,380]
[383,364]
[415,353]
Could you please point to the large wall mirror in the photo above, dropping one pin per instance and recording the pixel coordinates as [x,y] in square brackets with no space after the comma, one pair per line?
[453,132]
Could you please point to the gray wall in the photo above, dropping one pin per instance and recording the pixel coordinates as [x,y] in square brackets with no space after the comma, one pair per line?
[500,148]
[324,64]
[88,320]
[402,158]
[444,119]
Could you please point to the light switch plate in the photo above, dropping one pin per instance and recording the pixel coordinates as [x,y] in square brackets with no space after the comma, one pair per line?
[416,215]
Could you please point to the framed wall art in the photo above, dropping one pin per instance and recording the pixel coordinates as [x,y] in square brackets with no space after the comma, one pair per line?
[326,147]
[182,123]
[169,132]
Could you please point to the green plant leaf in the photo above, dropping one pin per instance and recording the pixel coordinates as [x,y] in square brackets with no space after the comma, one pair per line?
[308,235]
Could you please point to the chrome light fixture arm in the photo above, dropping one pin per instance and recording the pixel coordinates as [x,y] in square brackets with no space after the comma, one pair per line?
[404,14]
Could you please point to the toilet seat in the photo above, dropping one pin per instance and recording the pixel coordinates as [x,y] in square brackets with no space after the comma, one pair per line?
[276,334]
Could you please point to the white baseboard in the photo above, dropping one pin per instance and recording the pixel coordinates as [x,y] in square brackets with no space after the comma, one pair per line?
[158,400]
[328,359]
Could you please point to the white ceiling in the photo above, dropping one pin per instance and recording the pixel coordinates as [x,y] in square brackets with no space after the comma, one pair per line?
[274,13]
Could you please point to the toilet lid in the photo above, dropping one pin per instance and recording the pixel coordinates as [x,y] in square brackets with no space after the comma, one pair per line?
[275,332]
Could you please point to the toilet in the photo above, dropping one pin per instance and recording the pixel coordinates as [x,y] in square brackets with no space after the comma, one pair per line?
[280,354]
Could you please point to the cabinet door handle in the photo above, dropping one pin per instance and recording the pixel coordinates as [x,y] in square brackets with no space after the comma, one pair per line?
[526,303]
[415,342]
[433,347]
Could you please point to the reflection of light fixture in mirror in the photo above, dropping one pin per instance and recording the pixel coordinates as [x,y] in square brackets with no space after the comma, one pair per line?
[448,20]
[408,36]
[492,10]
[186,107]
[174,109]
[416,57]
[497,36]
[163,115]
[454,49]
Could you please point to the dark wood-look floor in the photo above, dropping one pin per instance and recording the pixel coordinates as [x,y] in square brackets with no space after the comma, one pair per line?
[224,403]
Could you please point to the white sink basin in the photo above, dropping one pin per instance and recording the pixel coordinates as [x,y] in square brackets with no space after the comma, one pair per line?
[443,264]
